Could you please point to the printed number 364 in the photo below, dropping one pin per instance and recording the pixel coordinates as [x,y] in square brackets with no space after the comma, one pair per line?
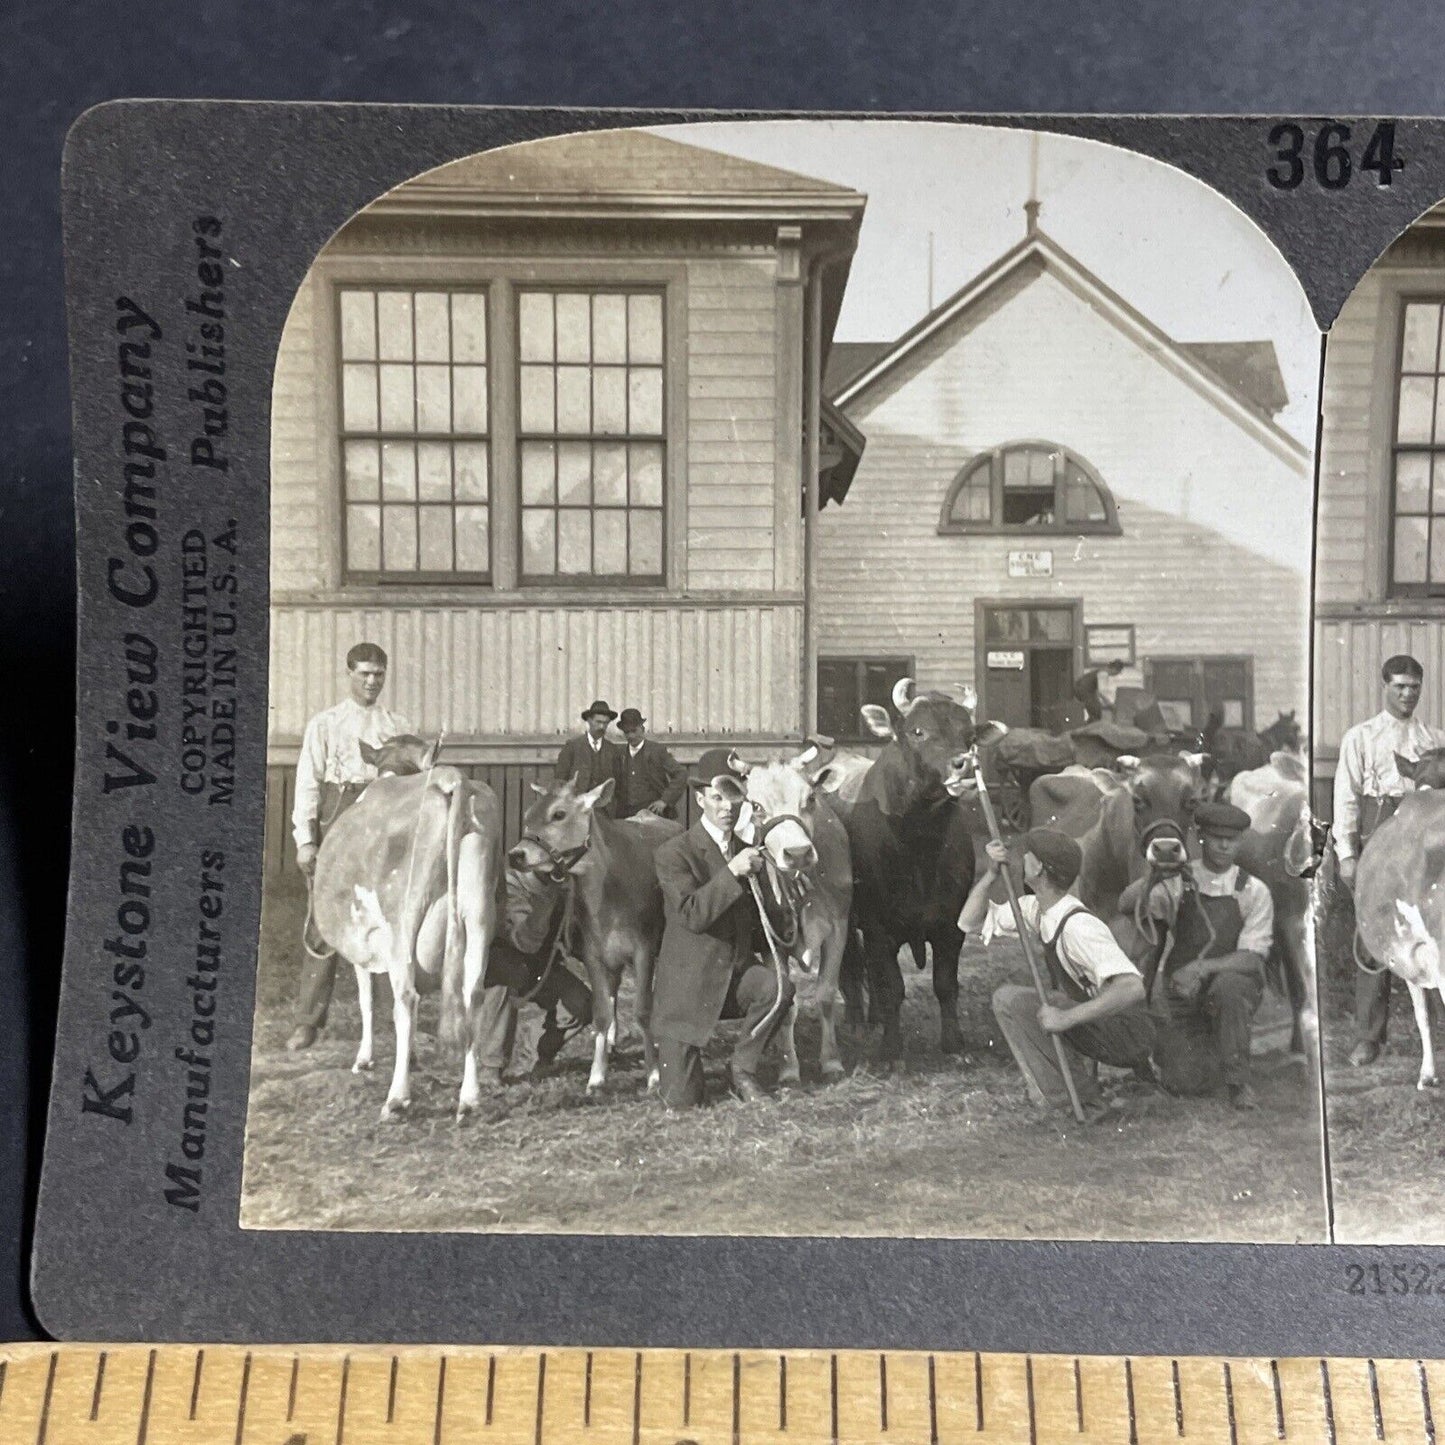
[1329,154]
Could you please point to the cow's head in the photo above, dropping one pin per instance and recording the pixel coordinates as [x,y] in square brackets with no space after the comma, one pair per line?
[935,734]
[401,756]
[783,800]
[557,827]
[1427,771]
[1165,789]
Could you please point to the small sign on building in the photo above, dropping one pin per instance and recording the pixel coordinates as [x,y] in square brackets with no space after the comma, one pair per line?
[1006,661]
[1031,564]
[1108,643]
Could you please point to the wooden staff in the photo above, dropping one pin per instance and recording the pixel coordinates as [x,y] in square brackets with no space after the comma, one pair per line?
[1025,937]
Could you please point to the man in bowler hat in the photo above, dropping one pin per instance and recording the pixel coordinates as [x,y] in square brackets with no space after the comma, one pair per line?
[591,758]
[707,968]
[652,779]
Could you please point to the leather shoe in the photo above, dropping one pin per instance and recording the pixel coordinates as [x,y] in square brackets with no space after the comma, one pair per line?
[302,1037]
[746,1088]
[1241,1096]
[1364,1052]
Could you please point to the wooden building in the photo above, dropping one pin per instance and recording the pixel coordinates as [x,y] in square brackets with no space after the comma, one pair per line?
[1051,482]
[547,425]
[1380,559]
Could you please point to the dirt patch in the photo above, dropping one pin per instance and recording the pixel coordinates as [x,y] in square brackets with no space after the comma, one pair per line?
[938,1148]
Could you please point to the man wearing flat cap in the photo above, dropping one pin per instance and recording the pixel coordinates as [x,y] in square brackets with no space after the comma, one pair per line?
[1096,1002]
[591,758]
[1368,789]
[707,968]
[1219,924]
[652,779]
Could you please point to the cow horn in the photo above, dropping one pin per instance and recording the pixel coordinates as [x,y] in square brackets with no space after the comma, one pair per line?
[970,697]
[805,757]
[903,699]
[737,764]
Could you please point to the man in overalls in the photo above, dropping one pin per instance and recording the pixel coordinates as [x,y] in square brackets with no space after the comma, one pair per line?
[1096,1000]
[1209,976]
[1368,789]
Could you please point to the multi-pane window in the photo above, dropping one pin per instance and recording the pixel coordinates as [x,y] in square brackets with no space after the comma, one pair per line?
[591,434]
[1189,689]
[846,683]
[1028,486]
[414,433]
[1417,543]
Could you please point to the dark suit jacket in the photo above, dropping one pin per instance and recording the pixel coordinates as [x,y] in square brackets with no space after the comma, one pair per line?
[711,918]
[592,768]
[652,775]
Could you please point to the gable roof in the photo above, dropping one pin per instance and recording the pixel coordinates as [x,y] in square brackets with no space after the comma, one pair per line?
[1041,253]
[848,359]
[1250,367]
[595,171]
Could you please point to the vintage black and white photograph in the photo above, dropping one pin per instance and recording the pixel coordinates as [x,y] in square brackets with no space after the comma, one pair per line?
[1380,740]
[789,697]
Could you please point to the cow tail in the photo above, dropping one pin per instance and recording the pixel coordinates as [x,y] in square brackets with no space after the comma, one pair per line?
[455,1007]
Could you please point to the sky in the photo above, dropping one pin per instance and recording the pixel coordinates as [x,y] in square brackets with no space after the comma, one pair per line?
[1176,250]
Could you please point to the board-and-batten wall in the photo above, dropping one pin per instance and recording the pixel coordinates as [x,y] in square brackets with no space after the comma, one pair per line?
[507,675]
[1357,625]
[1041,365]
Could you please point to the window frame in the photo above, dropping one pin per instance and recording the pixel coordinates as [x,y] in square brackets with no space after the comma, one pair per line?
[392,259]
[861,661]
[519,438]
[993,459]
[1199,659]
[1394,449]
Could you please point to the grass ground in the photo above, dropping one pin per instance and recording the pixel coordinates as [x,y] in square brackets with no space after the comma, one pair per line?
[1386,1138]
[938,1148]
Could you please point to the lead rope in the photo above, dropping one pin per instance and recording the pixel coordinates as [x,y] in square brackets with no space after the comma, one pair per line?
[780,968]
[559,942]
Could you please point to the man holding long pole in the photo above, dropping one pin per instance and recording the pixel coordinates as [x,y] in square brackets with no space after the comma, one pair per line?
[1093,1003]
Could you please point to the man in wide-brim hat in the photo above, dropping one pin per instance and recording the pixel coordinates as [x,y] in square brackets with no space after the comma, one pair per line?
[591,758]
[652,779]
[708,968]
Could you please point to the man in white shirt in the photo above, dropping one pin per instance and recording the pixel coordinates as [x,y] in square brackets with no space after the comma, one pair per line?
[1096,1001]
[1220,927]
[330,775]
[1368,789]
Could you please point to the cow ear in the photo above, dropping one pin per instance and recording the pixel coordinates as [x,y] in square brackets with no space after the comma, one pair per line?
[537,788]
[876,719]
[429,757]
[738,765]
[970,697]
[803,760]
[1405,767]
[369,754]
[600,796]
[989,732]
[1195,760]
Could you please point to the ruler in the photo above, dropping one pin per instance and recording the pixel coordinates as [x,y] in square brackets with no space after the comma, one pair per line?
[329,1395]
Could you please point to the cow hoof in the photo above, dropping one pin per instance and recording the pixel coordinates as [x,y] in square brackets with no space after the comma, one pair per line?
[1428,1083]
[361,1066]
[394,1109]
[595,1086]
[832,1071]
[951,1040]
[790,1078]
[654,1081]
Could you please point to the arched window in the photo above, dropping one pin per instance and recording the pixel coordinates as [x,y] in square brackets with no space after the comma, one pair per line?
[1028,487]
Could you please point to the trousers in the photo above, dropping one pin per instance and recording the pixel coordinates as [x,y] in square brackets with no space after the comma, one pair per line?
[1122,1040]
[750,996]
[1223,1010]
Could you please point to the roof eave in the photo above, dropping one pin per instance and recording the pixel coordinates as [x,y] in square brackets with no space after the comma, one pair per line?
[465,201]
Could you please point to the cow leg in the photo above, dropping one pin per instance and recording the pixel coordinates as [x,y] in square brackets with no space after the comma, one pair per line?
[475,902]
[642,964]
[364,987]
[885,986]
[403,1012]
[1421,1005]
[946,945]
[604,1025]
[852,980]
[830,971]
[1295,958]
[789,1073]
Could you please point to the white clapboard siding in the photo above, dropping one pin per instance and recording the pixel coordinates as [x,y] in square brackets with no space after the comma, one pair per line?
[1214,554]
[527,672]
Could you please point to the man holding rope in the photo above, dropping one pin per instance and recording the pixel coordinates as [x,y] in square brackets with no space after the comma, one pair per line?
[1096,1004]
[707,968]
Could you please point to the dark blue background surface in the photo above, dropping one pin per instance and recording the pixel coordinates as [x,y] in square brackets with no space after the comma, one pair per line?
[57,60]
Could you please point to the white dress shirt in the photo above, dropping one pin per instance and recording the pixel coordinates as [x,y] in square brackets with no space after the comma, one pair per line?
[1367,769]
[1088,952]
[331,753]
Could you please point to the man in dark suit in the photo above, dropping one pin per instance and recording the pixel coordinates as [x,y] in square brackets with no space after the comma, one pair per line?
[707,969]
[652,779]
[591,758]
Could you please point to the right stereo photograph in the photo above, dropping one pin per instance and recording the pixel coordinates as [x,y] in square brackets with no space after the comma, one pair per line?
[1379,742]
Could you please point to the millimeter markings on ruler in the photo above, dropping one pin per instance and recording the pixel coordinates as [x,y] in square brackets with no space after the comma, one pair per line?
[372,1395]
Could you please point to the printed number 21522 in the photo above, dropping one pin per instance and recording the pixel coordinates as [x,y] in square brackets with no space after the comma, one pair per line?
[1330,156]
[1396,1279]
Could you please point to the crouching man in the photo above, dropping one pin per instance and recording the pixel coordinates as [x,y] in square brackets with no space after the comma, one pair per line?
[1096,995]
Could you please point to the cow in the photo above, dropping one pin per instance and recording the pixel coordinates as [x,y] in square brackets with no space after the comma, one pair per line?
[810,880]
[408,883]
[1279,849]
[1236,750]
[1400,895]
[912,849]
[618,917]
[1125,820]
